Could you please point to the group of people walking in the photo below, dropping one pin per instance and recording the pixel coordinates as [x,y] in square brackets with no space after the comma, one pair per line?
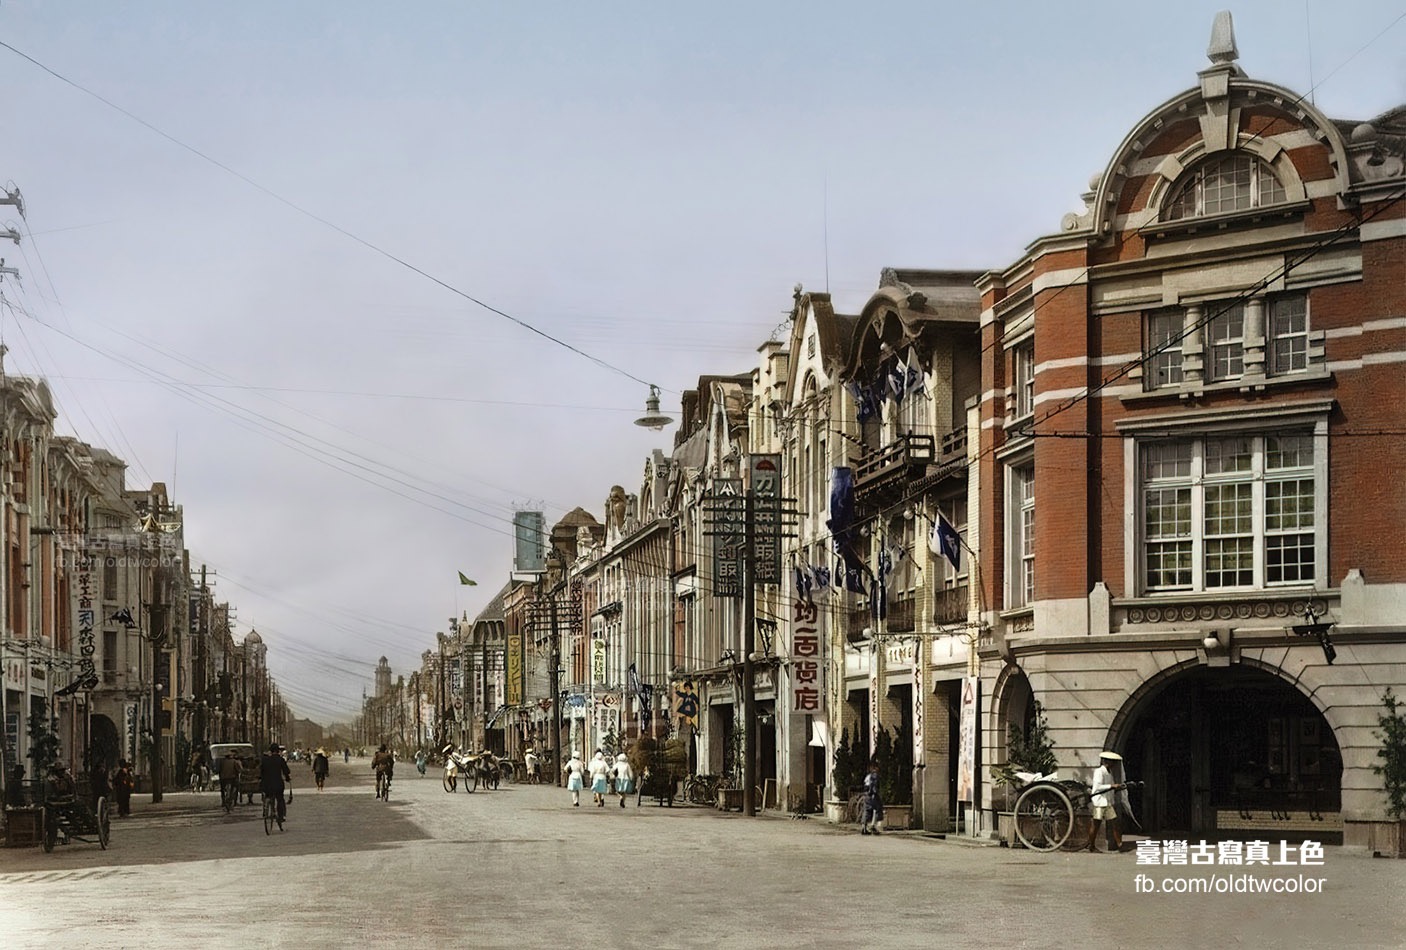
[605,776]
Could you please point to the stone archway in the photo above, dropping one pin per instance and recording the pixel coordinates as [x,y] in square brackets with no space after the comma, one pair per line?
[1230,752]
[106,744]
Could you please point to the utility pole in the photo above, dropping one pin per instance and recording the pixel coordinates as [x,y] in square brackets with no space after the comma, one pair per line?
[749,646]
[554,684]
[159,608]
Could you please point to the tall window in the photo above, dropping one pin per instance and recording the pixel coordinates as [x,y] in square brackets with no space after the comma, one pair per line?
[1286,336]
[1164,331]
[1225,339]
[1024,360]
[1220,186]
[1228,512]
[1020,536]
[110,579]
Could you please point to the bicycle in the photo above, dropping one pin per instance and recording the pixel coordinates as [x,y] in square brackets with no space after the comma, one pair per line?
[275,810]
[702,789]
[229,795]
[383,786]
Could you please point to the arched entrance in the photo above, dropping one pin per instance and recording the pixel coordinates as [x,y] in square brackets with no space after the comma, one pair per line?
[106,747]
[1231,752]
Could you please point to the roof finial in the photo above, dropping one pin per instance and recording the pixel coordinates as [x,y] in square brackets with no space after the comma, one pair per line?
[1222,49]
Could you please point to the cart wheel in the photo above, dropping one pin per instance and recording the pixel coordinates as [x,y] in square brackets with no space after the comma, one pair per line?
[1043,818]
[471,781]
[104,823]
[50,833]
[450,782]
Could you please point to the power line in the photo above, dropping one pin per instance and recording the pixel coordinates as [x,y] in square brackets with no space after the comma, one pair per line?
[326,223]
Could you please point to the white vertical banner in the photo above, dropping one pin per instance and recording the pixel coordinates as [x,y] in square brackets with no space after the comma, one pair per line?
[920,688]
[966,743]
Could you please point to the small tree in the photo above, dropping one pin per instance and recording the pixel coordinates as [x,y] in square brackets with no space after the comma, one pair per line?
[43,742]
[1027,750]
[895,768]
[1393,755]
[849,767]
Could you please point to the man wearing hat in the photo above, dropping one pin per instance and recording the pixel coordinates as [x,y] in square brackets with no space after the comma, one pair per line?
[1105,783]
[273,773]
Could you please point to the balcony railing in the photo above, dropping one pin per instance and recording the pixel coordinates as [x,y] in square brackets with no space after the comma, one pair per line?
[950,604]
[902,617]
[893,459]
[954,443]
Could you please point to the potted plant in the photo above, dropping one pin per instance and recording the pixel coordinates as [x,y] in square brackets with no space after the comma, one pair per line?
[845,777]
[895,759]
[1027,750]
[1392,840]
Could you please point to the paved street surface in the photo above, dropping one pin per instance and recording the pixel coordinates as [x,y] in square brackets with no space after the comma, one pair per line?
[521,868]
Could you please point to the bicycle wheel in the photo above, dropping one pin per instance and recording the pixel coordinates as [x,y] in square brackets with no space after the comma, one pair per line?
[104,823]
[270,814]
[386,790]
[1043,818]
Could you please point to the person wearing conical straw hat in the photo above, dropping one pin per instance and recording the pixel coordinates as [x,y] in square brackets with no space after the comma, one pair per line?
[1107,780]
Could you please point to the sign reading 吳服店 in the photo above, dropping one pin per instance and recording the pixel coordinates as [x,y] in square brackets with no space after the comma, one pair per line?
[729,536]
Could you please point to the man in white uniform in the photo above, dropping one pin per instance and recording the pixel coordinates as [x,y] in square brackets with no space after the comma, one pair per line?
[1106,782]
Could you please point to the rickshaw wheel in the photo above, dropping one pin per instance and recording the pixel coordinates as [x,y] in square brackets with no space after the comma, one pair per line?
[450,782]
[104,823]
[50,833]
[1043,818]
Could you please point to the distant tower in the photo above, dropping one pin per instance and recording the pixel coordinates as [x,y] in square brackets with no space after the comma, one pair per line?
[383,677]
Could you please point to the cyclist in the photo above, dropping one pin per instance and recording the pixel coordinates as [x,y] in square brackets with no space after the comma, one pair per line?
[230,770]
[384,764]
[273,773]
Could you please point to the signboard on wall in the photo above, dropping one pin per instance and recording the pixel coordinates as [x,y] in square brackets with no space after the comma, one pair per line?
[598,660]
[729,536]
[764,482]
[969,713]
[513,674]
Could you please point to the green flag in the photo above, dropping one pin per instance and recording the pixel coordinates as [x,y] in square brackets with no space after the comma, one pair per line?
[464,580]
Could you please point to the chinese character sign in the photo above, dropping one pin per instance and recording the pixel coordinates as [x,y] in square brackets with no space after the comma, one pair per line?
[729,536]
[807,658]
[765,487]
[87,643]
[514,668]
[598,660]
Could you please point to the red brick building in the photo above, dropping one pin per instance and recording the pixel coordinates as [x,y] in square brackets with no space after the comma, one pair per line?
[1191,436]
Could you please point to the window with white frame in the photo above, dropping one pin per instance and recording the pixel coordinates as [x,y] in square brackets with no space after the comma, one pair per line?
[1164,333]
[1286,334]
[1020,536]
[955,511]
[1229,512]
[1222,185]
[1023,358]
[1225,342]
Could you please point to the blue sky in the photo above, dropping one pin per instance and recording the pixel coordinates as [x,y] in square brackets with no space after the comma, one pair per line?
[644,181]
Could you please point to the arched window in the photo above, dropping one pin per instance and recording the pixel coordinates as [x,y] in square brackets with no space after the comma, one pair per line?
[1233,183]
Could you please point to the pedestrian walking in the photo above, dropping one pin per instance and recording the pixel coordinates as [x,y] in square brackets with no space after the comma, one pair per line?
[624,778]
[420,760]
[320,767]
[600,773]
[872,820]
[534,766]
[346,754]
[1106,794]
[122,785]
[575,771]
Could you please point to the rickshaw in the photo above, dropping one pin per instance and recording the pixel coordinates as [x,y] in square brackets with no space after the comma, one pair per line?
[66,818]
[1049,808]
